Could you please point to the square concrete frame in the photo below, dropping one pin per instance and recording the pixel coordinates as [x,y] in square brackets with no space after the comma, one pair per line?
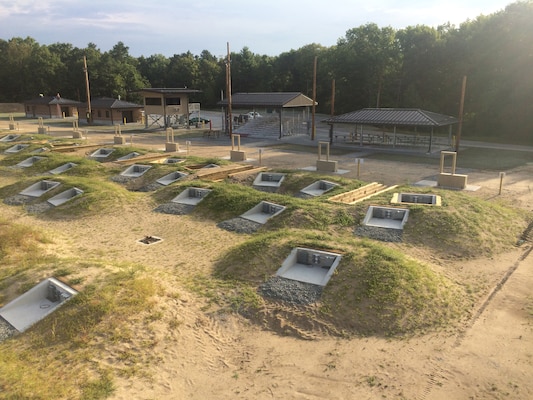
[65,196]
[9,138]
[191,196]
[36,303]
[135,170]
[263,211]
[269,180]
[170,178]
[62,168]
[386,217]
[416,198]
[40,188]
[102,153]
[16,148]
[309,265]
[318,188]
[28,162]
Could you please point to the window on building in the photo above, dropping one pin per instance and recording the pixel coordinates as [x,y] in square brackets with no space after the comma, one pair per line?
[173,101]
[99,113]
[152,101]
[107,113]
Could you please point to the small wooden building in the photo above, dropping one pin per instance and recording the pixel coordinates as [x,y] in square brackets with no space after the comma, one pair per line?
[166,107]
[51,107]
[109,111]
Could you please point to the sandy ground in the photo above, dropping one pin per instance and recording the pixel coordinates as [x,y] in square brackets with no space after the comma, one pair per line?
[208,356]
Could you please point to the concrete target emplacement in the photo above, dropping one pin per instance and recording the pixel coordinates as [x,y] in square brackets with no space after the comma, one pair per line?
[236,155]
[170,145]
[450,180]
[325,165]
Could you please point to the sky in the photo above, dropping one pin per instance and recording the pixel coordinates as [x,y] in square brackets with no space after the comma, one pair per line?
[270,27]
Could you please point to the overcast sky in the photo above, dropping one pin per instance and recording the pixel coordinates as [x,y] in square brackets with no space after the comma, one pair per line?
[269,27]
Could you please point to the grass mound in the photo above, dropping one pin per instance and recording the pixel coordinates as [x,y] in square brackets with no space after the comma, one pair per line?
[464,226]
[375,290]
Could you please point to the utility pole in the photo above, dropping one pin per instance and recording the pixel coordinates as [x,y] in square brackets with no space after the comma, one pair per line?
[332,114]
[89,111]
[314,100]
[461,108]
[228,92]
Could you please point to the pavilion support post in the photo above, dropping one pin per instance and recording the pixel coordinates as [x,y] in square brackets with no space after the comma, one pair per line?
[280,123]
[394,137]
[430,140]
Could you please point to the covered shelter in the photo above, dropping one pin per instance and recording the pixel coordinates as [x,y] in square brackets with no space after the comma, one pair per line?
[391,119]
[106,110]
[166,107]
[274,102]
[51,107]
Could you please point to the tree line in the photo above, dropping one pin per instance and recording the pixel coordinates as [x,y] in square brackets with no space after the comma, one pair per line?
[414,67]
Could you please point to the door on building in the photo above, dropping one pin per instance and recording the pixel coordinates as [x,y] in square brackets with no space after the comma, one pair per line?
[127,116]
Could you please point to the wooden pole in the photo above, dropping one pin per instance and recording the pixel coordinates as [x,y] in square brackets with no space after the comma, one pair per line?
[89,110]
[314,100]
[332,110]
[228,91]
[461,109]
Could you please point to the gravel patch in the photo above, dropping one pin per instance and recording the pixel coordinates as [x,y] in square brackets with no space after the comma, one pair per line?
[38,208]
[18,200]
[291,291]
[240,225]
[151,187]
[377,233]
[122,179]
[6,330]
[174,208]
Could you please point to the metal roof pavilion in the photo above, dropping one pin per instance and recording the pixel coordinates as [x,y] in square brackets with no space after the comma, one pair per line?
[393,117]
[273,100]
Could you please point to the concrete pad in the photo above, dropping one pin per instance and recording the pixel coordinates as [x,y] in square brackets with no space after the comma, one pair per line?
[37,303]
[135,170]
[102,153]
[191,196]
[168,160]
[129,156]
[170,178]
[62,168]
[65,196]
[39,188]
[386,217]
[318,188]
[309,265]
[9,138]
[262,212]
[28,162]
[416,198]
[237,155]
[429,183]
[326,166]
[16,148]
[171,147]
[313,169]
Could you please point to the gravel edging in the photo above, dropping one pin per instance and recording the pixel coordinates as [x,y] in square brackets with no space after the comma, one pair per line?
[174,208]
[240,225]
[6,330]
[291,291]
[378,233]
